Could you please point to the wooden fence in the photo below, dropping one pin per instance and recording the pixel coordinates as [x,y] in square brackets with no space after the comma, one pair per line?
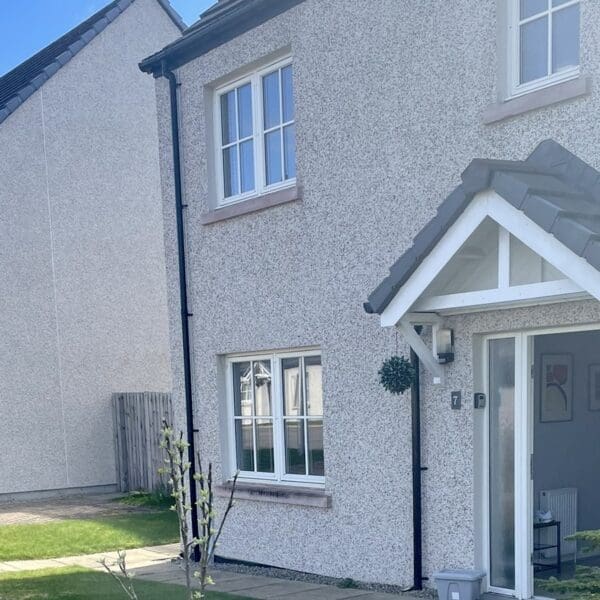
[138,418]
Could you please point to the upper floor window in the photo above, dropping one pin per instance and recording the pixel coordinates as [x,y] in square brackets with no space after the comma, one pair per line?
[545,43]
[276,417]
[256,134]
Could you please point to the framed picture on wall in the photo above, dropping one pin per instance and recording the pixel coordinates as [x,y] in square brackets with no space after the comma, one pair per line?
[556,388]
[594,385]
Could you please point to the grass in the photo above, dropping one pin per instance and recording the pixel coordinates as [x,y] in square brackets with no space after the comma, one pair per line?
[157,500]
[74,583]
[87,536]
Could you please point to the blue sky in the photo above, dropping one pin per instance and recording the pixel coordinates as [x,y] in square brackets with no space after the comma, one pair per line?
[26,26]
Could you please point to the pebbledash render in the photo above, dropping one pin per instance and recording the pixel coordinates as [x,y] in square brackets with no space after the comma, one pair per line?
[317,139]
[83,311]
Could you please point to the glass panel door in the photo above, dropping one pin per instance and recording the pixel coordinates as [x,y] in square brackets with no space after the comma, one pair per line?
[502,463]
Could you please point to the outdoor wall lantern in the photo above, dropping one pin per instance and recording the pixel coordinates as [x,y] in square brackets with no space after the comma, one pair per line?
[444,345]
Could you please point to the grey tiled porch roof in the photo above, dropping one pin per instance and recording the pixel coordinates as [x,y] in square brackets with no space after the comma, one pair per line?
[554,188]
[22,81]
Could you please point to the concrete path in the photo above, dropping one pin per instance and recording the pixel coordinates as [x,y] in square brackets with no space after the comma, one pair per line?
[160,563]
[68,507]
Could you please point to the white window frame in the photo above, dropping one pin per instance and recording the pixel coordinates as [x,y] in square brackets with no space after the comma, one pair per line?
[514,51]
[279,476]
[258,133]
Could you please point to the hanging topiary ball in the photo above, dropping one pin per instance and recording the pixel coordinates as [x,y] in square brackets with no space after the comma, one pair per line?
[396,374]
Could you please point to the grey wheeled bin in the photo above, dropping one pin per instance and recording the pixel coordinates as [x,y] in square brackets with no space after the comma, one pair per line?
[459,584]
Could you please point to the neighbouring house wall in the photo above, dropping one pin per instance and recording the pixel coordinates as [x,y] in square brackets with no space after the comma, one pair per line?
[81,259]
[567,453]
[388,114]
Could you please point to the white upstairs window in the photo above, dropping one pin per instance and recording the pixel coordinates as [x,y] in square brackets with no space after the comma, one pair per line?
[544,43]
[275,407]
[255,134]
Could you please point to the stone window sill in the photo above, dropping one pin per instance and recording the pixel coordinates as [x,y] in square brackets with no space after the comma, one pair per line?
[291,194]
[561,92]
[280,494]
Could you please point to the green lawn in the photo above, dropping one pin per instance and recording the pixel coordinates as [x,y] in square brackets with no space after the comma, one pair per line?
[151,500]
[79,536]
[74,583]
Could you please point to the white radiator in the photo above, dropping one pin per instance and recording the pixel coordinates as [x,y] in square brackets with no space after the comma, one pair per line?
[562,503]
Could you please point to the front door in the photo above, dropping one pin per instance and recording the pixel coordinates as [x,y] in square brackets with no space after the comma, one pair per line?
[509,486]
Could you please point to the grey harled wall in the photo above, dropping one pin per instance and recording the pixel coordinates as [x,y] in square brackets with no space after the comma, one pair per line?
[83,310]
[389,98]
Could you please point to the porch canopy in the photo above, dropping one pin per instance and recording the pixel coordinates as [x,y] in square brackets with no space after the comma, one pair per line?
[513,233]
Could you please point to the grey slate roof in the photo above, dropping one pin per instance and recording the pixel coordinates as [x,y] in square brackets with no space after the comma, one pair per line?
[17,85]
[219,24]
[555,189]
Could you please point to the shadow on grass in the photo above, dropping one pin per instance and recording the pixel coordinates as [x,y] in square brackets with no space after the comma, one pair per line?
[74,583]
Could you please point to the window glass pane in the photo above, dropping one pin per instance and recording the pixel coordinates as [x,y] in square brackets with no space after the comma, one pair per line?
[273,156]
[287,91]
[502,462]
[265,457]
[289,151]
[242,389]
[247,165]
[559,2]
[230,172]
[316,462]
[228,117]
[271,104]
[534,50]
[244,444]
[532,7]
[245,110]
[292,391]
[262,387]
[313,384]
[565,38]
[294,447]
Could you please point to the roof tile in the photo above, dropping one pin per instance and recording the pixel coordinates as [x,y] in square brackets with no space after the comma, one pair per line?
[15,85]
[555,189]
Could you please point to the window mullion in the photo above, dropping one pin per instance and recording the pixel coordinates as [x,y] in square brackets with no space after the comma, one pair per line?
[550,45]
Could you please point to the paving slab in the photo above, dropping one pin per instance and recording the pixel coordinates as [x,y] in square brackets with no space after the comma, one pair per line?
[382,596]
[34,565]
[244,584]
[323,592]
[283,587]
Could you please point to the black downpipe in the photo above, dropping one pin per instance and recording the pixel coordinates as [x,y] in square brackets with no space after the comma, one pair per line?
[415,396]
[183,300]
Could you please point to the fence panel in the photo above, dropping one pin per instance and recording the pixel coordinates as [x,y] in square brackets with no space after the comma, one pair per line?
[138,418]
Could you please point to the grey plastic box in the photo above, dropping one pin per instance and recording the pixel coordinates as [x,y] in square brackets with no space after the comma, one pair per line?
[459,584]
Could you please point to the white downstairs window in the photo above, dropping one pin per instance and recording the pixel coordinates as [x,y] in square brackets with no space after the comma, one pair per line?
[255,134]
[275,407]
[543,44]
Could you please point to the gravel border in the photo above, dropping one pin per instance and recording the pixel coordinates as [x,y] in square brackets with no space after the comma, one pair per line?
[288,574]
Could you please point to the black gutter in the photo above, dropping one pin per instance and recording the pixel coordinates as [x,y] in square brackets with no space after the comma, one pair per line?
[417,469]
[183,301]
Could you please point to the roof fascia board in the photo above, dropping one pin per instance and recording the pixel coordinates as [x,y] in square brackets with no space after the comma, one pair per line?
[435,261]
[543,243]
[173,15]
[490,204]
[217,31]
